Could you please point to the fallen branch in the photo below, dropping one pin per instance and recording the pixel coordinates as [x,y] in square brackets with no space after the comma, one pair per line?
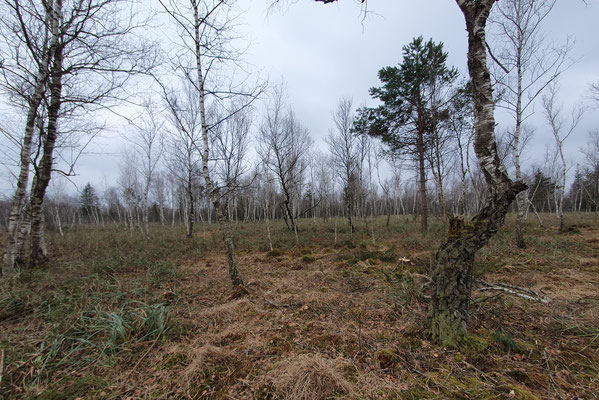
[513,290]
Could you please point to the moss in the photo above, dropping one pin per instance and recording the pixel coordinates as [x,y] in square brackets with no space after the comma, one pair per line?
[449,331]
[308,259]
[467,383]
[506,341]
[171,361]
[474,345]
[274,253]
[521,393]
[417,394]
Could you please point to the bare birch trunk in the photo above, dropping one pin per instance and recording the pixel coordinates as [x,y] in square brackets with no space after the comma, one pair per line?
[234,275]
[14,242]
[23,232]
[146,208]
[521,203]
[58,222]
[39,254]
[189,209]
[562,189]
[266,218]
[440,190]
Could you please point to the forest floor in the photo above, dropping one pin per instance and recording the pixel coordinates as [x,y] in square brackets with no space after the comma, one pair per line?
[114,316]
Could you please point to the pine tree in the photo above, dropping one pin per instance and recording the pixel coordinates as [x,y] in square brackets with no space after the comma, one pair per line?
[89,203]
[412,108]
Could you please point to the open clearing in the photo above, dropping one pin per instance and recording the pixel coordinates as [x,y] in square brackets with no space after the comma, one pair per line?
[114,316]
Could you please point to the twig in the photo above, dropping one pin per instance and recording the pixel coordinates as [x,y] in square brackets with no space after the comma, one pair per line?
[553,385]
[140,360]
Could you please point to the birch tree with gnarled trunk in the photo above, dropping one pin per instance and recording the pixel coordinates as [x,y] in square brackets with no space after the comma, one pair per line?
[452,268]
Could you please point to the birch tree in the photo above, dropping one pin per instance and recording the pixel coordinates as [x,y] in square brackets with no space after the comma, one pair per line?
[147,143]
[84,56]
[230,144]
[561,130]
[283,145]
[131,191]
[205,31]
[30,43]
[525,65]
[452,268]
[343,146]
[184,142]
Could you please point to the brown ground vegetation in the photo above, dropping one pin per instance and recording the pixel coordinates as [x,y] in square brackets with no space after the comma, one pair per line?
[115,316]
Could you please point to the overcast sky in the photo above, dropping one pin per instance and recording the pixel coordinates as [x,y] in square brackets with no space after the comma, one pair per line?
[324,52]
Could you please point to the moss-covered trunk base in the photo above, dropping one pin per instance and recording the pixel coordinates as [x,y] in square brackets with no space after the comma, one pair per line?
[452,277]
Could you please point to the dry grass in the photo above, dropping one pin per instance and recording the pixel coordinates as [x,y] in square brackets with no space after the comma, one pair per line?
[350,323]
[310,377]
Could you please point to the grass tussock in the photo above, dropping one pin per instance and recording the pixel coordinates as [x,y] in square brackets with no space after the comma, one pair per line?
[310,377]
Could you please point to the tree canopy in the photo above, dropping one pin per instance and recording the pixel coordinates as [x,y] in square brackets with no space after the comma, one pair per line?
[411,94]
